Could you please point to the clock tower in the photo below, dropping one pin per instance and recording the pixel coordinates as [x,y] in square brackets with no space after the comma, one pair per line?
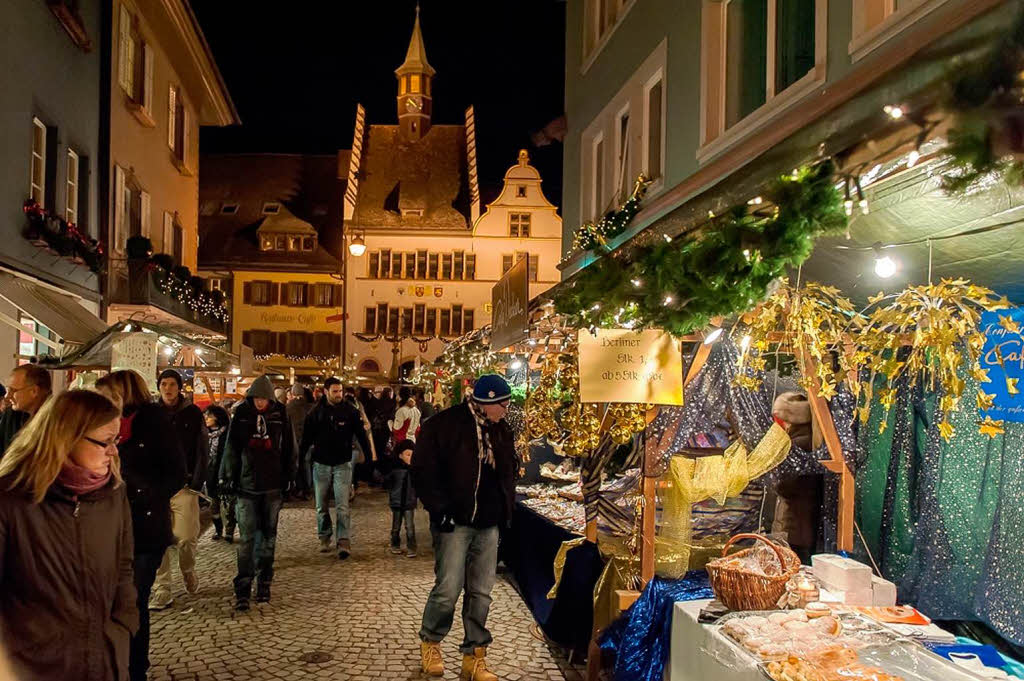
[414,88]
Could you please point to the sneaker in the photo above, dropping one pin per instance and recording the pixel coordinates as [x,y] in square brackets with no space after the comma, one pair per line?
[325,544]
[191,582]
[217,536]
[241,603]
[411,553]
[161,599]
[262,592]
[344,549]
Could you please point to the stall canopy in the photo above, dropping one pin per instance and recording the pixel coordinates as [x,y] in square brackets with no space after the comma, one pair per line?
[57,311]
[96,354]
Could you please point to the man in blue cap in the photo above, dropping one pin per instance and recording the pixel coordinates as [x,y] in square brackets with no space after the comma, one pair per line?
[463,469]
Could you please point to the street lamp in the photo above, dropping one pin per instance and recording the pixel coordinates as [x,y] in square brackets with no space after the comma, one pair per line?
[358,246]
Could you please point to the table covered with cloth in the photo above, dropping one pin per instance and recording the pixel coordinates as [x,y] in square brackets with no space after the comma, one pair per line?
[529,548]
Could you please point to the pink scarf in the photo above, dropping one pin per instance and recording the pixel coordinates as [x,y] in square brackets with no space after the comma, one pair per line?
[79,481]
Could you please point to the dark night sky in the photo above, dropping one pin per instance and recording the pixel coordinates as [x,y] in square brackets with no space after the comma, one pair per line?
[296,69]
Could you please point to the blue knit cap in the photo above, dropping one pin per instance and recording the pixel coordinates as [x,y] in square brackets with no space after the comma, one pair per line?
[491,389]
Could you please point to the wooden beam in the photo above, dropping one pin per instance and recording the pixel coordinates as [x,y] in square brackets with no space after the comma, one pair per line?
[837,461]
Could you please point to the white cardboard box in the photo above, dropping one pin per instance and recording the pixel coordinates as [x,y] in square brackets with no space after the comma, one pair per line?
[841,574]
[883,593]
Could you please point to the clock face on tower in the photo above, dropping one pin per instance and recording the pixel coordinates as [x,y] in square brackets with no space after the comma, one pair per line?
[414,104]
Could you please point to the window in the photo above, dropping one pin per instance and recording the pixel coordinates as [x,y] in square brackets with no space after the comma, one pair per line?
[369,366]
[28,347]
[373,270]
[126,52]
[519,225]
[326,344]
[432,262]
[457,320]
[654,131]
[597,178]
[419,318]
[298,343]
[37,187]
[446,266]
[622,156]
[457,269]
[521,191]
[393,315]
[470,266]
[167,244]
[218,284]
[414,83]
[178,122]
[506,264]
[383,315]
[259,293]
[406,320]
[877,21]
[370,323]
[179,240]
[600,17]
[122,209]
[396,266]
[145,214]
[228,208]
[410,265]
[531,266]
[446,322]
[385,263]
[71,198]
[296,293]
[280,242]
[261,341]
[271,208]
[467,321]
[294,242]
[324,295]
[753,51]
[266,242]
[431,328]
[421,264]
[309,243]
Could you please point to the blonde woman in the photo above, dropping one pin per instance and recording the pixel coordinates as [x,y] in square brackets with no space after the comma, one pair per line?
[67,599]
[154,469]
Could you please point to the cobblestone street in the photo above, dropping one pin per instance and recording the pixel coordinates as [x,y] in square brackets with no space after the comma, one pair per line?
[356,620]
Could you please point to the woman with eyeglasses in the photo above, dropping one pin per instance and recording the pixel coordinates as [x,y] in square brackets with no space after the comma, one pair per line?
[153,465]
[67,599]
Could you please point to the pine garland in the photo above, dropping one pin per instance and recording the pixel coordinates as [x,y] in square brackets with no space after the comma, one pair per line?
[728,268]
[595,236]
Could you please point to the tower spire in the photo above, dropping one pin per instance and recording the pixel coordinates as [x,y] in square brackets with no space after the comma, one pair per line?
[416,55]
[415,100]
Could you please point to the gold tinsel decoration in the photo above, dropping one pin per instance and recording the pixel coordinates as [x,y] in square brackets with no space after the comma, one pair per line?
[939,325]
[579,420]
[542,403]
[808,320]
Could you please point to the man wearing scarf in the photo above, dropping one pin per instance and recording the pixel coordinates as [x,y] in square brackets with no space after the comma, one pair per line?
[463,470]
[259,461]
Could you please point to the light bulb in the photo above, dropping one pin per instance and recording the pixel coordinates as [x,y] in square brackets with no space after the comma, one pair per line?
[667,238]
[516,365]
[885,267]
[168,351]
[668,300]
[713,336]
[199,351]
[895,112]
[637,283]
[596,307]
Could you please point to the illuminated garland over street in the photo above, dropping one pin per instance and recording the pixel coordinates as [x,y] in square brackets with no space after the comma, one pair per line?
[198,300]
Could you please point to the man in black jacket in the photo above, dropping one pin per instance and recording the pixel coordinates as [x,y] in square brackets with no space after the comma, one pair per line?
[329,430]
[28,388]
[463,470]
[190,428]
[259,462]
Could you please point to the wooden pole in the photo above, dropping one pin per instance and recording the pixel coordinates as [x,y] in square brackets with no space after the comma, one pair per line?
[836,462]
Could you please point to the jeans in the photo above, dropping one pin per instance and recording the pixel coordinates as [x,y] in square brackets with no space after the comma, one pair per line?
[146,565]
[397,518]
[340,477]
[223,510]
[257,529]
[185,525]
[465,557]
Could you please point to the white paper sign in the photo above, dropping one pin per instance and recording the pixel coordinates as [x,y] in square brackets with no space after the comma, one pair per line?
[136,351]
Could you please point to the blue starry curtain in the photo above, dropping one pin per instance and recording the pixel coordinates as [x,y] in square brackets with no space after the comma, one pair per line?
[945,520]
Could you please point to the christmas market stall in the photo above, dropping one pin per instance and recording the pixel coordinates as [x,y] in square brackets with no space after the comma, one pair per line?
[858,406]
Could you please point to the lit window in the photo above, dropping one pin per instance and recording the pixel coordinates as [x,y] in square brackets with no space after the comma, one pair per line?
[71,202]
[294,243]
[457,269]
[324,295]
[532,265]
[271,208]
[446,266]
[521,191]
[414,83]
[373,265]
[519,225]
[266,243]
[470,266]
[281,243]
[308,243]
[385,263]
[38,182]
[506,263]
[432,264]
[259,293]
[296,294]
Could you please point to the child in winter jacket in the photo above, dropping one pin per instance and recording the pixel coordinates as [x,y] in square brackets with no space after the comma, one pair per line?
[402,499]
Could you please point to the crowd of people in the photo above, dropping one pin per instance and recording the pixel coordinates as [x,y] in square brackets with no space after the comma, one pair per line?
[100,495]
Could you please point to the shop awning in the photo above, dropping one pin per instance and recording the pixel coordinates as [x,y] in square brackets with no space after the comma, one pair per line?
[57,311]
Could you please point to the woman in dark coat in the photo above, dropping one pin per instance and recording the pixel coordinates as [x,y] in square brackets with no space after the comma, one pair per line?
[153,466]
[402,499]
[67,601]
[223,510]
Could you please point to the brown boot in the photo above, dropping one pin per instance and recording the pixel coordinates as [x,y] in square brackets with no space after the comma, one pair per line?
[430,659]
[474,667]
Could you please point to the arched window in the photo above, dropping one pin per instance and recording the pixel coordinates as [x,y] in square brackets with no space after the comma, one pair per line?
[369,366]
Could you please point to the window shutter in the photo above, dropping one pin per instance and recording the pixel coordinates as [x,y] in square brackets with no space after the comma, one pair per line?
[124,72]
[311,295]
[168,236]
[275,294]
[172,110]
[119,225]
[185,122]
[147,78]
[247,294]
[247,336]
[282,340]
[336,296]
[144,209]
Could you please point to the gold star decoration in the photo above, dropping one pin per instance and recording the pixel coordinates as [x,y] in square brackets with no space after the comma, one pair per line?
[981,375]
[991,427]
[1011,385]
[985,400]
[946,430]
[1009,324]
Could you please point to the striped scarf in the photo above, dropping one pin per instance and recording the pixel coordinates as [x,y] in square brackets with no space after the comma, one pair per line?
[483,440]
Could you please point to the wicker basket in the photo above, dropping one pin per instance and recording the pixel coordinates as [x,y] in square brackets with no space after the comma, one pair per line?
[741,589]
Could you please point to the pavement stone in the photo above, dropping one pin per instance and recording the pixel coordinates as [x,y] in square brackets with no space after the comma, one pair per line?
[364,612]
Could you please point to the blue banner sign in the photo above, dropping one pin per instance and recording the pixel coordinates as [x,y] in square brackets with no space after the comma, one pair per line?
[1002,359]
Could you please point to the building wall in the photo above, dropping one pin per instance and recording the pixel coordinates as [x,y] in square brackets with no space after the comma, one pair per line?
[489,242]
[598,82]
[142,147]
[45,75]
[281,318]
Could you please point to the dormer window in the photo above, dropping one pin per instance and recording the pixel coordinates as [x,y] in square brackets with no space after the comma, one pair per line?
[308,243]
[412,212]
[291,243]
[521,191]
[294,243]
[266,243]
[271,208]
[228,208]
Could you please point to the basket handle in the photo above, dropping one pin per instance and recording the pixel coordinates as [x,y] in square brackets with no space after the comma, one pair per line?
[759,537]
